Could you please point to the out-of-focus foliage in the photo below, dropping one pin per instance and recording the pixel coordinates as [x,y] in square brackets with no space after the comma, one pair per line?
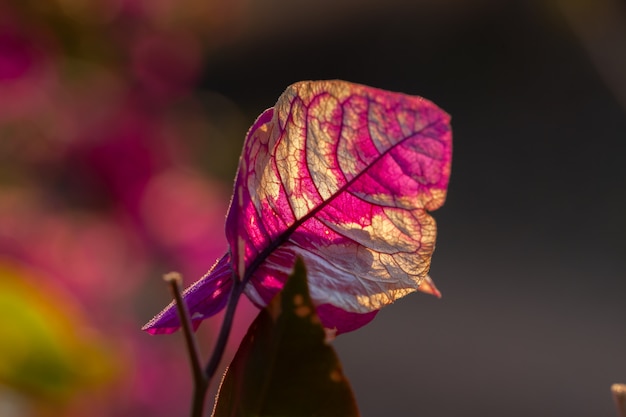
[47,350]
[100,194]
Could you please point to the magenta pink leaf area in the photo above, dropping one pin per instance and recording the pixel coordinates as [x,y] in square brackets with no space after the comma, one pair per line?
[341,175]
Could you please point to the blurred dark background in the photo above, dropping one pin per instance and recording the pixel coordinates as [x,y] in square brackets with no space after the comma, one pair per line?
[531,256]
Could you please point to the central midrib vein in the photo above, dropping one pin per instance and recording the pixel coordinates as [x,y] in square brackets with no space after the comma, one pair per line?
[284,236]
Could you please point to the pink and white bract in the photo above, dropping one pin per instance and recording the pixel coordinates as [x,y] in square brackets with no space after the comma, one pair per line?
[341,175]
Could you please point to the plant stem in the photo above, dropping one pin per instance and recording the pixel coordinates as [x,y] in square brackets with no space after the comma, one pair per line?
[202,378]
[619,396]
[201,382]
[227,324]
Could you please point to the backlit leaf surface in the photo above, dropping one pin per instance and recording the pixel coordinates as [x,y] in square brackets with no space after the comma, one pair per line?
[341,175]
[283,366]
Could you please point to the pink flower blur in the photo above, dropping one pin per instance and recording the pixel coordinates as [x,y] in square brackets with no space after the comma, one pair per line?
[99,196]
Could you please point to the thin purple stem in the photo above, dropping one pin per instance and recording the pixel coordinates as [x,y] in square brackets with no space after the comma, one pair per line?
[201,382]
[227,324]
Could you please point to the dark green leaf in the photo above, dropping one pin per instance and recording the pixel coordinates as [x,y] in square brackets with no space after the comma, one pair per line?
[284,366]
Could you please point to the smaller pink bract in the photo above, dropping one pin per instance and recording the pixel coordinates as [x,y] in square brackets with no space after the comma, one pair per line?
[341,175]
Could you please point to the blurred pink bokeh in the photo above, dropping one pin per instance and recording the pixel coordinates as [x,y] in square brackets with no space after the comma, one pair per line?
[100,195]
